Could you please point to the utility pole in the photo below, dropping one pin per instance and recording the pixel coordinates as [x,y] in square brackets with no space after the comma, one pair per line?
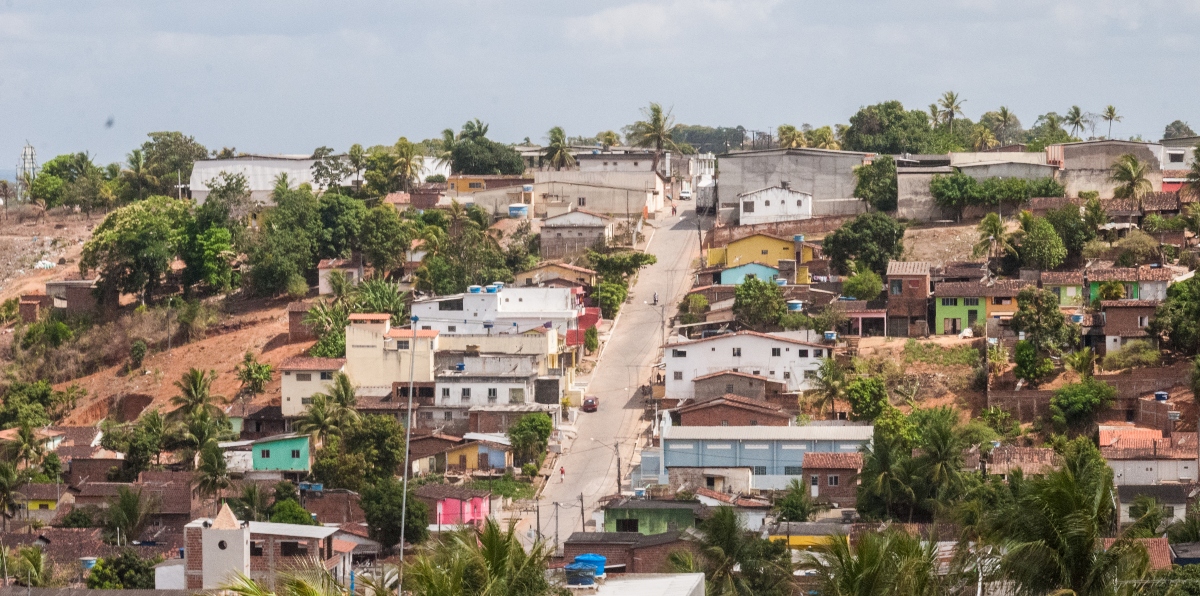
[538,509]
[412,368]
[556,527]
[582,522]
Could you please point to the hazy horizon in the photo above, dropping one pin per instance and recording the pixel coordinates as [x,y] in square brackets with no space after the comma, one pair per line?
[286,78]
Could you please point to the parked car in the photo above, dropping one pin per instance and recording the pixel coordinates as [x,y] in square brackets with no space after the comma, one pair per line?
[685,195]
[591,403]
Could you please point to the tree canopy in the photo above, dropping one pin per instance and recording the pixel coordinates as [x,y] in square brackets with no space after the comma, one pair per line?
[870,240]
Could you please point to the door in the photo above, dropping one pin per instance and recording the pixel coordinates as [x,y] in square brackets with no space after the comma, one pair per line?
[462,461]
[815,482]
[483,462]
[972,316]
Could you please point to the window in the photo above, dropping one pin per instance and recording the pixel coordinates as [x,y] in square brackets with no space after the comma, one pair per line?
[810,374]
[760,470]
[265,453]
[445,392]
[583,201]
[677,375]
[450,305]
[466,393]
[747,206]
[1143,321]
[256,549]
[679,353]
[776,352]
[306,400]
[451,328]
[474,185]
[729,388]
[972,301]
[427,415]
[792,471]
[787,374]
[802,353]
[766,203]
[724,423]
[799,203]
[737,352]
[290,548]
[295,454]
[765,251]
[304,377]
[1175,157]
[448,415]
[326,376]
[818,353]
[493,394]
[402,344]
[897,287]
[833,480]
[757,372]
[43,505]
[814,480]
[516,395]
[1001,300]
[949,301]
[753,423]
[627,525]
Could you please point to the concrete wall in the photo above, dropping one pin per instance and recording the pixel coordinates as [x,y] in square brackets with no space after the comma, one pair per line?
[1144,472]
[1183,145]
[372,362]
[1028,157]
[732,480]
[298,386]
[826,175]
[1086,166]
[914,201]
[1025,171]
[609,193]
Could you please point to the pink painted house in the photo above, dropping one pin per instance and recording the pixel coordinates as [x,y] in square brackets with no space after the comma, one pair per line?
[450,506]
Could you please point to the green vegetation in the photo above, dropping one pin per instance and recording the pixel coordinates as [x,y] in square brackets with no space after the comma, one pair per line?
[932,353]
[758,303]
[529,436]
[126,571]
[507,487]
[382,506]
[869,240]
[875,183]
[1076,405]
[1176,322]
[1133,354]
[958,190]
[864,285]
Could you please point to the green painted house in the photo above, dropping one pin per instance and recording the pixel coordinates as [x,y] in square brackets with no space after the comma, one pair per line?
[959,305]
[649,517]
[290,454]
[1126,276]
[1067,285]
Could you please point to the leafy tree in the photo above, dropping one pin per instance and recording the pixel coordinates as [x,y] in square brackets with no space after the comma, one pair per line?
[868,398]
[78,518]
[328,169]
[380,440]
[1137,248]
[473,153]
[1042,247]
[691,308]
[591,340]
[290,512]
[48,188]
[137,353]
[1176,322]
[876,183]
[655,132]
[385,239]
[335,467]
[610,295]
[383,509]
[1031,367]
[758,303]
[1071,228]
[288,243]
[887,128]
[1129,175]
[170,156]
[1178,129]
[529,436]
[133,247]
[619,265]
[126,571]
[864,285]
[870,240]
[1044,324]
[1133,354]
[341,224]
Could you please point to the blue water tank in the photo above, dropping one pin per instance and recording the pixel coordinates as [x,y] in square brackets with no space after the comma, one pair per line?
[88,562]
[518,210]
[460,367]
[499,285]
[795,305]
[798,238]
[1161,396]
[780,281]
[474,289]
[596,561]
[580,574]
[491,289]
[831,336]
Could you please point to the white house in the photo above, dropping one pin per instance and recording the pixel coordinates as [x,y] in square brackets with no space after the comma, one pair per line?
[481,380]
[499,309]
[778,357]
[302,377]
[378,355]
[351,268]
[775,203]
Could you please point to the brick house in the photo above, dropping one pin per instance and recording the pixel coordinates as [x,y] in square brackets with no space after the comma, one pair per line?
[297,330]
[751,386]
[629,552]
[908,298]
[732,410]
[495,419]
[256,421]
[1126,321]
[334,506]
[833,477]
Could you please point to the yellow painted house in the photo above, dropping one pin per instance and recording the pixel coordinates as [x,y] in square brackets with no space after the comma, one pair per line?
[803,536]
[40,497]
[756,248]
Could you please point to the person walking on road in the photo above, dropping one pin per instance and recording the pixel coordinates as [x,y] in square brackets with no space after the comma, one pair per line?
[562,474]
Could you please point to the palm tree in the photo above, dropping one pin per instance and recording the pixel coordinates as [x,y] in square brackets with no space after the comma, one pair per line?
[888,563]
[1082,361]
[951,107]
[253,504]
[137,173]
[408,164]
[253,376]
[982,139]
[129,513]
[28,448]
[608,139]
[654,132]
[1191,187]
[830,383]
[195,393]
[935,114]
[445,148]
[32,567]
[483,561]
[558,152]
[1187,529]
[790,137]
[212,476]
[357,158]
[885,478]
[202,428]
[1110,115]
[342,391]
[310,578]
[734,564]
[823,138]
[1004,122]
[1129,174]
[1094,215]
[11,479]
[941,459]
[1076,119]
[474,129]
[993,237]
[323,418]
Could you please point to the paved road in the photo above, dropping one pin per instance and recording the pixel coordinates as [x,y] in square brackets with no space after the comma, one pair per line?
[590,462]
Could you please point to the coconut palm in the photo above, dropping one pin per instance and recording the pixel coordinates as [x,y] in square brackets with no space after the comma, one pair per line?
[199,430]
[1110,115]
[1187,529]
[32,567]
[608,139]
[655,132]
[558,152]
[195,393]
[253,503]
[309,578]
[408,164]
[212,475]
[324,418]
[378,295]
[885,478]
[994,238]
[935,114]
[357,158]
[735,563]
[951,106]
[1005,120]
[474,129]
[137,173]
[1129,175]
[28,448]
[1191,187]
[11,479]
[253,376]
[483,561]
[823,138]
[1082,361]
[982,139]
[1093,214]
[830,383]
[790,137]
[129,512]
[888,563]
[1076,119]
[342,391]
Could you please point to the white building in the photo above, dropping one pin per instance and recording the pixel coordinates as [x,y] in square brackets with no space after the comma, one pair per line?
[261,172]
[778,357]
[481,380]
[775,203]
[378,355]
[497,309]
[303,377]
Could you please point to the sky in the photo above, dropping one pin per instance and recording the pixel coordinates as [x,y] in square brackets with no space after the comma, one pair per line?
[287,77]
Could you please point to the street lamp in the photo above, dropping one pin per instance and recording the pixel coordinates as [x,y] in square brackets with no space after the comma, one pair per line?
[617,451]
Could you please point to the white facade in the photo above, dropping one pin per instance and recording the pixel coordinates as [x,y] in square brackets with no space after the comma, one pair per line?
[1152,290]
[488,379]
[773,204]
[298,383]
[1146,472]
[623,193]
[261,172]
[784,359]
[503,310]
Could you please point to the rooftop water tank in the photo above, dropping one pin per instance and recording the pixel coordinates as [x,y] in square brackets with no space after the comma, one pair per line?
[580,574]
[498,284]
[795,305]
[831,336]
[798,238]
[1161,396]
[596,561]
[527,188]
[1076,319]
[88,562]
[518,210]
[474,289]
[779,281]
[491,289]
[460,367]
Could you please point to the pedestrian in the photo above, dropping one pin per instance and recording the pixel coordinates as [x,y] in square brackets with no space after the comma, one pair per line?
[673,208]
[562,474]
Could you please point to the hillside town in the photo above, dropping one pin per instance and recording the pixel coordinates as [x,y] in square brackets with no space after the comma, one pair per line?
[914,353]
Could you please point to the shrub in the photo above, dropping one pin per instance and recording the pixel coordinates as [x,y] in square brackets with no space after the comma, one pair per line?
[78,518]
[1077,403]
[1031,367]
[868,398]
[1137,248]
[591,340]
[610,295]
[530,470]
[1132,355]
[297,287]
[864,285]
[137,353]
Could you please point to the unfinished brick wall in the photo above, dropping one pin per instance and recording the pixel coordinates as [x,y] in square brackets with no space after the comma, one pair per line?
[724,415]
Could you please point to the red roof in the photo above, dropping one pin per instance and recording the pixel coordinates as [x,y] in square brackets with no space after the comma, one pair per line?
[737,401]
[734,500]
[337,264]
[1159,550]
[832,461]
[1110,435]
[370,316]
[307,363]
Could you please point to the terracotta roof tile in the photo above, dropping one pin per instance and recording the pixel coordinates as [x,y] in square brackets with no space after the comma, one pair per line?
[832,461]
[1072,278]
[1161,201]
[1149,273]
[737,401]
[1110,435]
[970,289]
[1113,274]
[370,316]
[1130,303]
[731,372]
[1159,550]
[316,364]
[1030,460]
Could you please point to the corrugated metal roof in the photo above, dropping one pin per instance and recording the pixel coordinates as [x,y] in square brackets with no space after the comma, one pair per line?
[908,268]
[847,432]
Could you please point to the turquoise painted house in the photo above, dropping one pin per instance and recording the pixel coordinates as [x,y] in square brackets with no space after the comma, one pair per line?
[734,276]
[290,454]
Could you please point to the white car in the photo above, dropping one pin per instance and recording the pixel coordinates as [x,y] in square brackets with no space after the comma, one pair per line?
[685,195]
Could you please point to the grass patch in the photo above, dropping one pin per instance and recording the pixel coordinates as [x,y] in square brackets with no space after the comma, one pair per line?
[506,486]
[932,353]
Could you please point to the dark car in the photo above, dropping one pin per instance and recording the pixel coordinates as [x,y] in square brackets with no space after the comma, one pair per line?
[590,403]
